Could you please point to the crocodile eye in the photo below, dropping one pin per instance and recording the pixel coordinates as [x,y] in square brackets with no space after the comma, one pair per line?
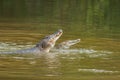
[46,37]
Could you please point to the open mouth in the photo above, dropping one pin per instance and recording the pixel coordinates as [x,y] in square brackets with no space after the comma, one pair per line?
[56,35]
[59,32]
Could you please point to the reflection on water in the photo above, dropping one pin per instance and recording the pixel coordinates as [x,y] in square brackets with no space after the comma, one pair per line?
[96,22]
[91,57]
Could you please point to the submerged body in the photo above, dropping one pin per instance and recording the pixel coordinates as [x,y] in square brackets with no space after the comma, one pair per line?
[43,46]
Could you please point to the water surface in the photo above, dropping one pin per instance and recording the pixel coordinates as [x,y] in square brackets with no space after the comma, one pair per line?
[91,59]
[23,23]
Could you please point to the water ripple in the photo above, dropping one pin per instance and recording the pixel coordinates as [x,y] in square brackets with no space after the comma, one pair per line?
[97,71]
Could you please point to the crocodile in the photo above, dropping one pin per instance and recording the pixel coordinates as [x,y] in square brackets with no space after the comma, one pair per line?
[45,45]
[67,44]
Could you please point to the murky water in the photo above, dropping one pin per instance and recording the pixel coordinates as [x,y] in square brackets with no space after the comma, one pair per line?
[92,59]
[23,23]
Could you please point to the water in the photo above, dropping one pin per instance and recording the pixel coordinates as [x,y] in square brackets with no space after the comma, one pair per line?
[91,59]
[23,23]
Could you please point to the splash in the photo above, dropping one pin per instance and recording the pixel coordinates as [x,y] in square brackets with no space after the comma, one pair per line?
[9,46]
[88,52]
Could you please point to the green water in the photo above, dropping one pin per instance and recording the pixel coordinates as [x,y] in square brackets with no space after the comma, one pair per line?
[23,23]
[92,59]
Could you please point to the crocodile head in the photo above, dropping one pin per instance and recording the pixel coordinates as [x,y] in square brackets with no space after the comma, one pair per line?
[68,43]
[49,41]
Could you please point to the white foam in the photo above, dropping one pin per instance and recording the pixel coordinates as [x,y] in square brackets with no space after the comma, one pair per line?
[97,71]
[7,46]
[22,58]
